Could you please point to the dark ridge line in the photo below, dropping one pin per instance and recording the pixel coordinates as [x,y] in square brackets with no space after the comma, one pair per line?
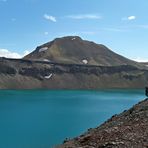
[65,64]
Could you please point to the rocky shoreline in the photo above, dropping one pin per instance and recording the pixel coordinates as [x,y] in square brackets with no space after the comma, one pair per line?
[126,130]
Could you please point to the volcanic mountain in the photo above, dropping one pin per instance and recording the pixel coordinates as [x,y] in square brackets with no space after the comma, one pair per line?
[74,50]
[72,63]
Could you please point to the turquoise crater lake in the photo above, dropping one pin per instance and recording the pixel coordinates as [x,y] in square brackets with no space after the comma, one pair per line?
[42,118]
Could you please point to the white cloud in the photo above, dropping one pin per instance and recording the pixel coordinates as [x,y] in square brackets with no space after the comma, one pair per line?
[84,16]
[50,18]
[9,54]
[132,17]
[129,18]
[138,59]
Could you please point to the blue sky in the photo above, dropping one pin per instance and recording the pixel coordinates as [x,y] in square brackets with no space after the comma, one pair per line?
[122,25]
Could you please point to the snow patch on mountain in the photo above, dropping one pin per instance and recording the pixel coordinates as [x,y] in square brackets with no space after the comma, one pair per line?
[43,49]
[48,77]
[85,61]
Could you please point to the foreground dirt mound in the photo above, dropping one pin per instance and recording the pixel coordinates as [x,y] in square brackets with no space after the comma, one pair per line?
[126,130]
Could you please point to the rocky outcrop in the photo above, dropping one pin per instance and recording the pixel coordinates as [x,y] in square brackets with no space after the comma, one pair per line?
[126,130]
[26,74]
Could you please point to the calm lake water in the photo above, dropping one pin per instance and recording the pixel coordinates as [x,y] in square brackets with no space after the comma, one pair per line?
[41,119]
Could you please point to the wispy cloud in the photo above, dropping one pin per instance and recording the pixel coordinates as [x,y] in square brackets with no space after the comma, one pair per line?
[115,29]
[46,33]
[142,26]
[84,16]
[138,26]
[9,54]
[139,59]
[50,18]
[129,18]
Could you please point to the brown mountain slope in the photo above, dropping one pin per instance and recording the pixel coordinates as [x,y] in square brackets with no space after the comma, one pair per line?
[126,130]
[74,50]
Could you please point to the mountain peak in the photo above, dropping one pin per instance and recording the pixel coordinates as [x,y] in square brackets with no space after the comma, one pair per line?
[75,50]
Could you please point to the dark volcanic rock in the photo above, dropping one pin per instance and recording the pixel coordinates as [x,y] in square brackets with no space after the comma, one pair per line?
[126,130]
[6,69]
[25,74]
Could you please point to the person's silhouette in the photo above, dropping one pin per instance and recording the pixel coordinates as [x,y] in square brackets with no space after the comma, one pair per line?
[146,91]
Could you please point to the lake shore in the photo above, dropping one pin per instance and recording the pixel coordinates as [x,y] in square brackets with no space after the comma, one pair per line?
[128,129]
